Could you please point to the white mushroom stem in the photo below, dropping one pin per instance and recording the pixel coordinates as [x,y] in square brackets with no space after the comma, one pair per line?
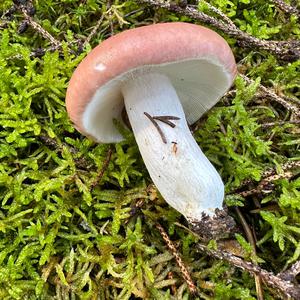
[179,169]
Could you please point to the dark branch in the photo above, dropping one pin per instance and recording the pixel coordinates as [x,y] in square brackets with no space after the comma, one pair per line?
[166,120]
[286,287]
[287,8]
[284,50]
[157,127]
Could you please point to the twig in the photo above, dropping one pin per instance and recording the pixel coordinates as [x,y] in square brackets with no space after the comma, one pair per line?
[79,162]
[251,240]
[285,167]
[99,22]
[273,96]
[266,185]
[28,11]
[173,286]
[291,273]
[287,8]
[39,52]
[287,288]
[166,120]
[280,123]
[39,28]
[218,12]
[103,169]
[290,99]
[94,31]
[284,50]
[184,271]
[4,24]
[277,281]
[110,15]
[267,177]
[157,127]
[8,13]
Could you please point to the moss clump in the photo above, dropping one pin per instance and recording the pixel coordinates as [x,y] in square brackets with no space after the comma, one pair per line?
[62,237]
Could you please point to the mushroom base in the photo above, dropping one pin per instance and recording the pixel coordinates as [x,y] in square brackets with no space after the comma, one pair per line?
[213,227]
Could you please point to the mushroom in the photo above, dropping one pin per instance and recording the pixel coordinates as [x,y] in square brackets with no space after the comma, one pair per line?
[167,76]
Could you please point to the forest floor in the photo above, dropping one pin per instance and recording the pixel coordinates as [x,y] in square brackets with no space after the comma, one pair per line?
[79,220]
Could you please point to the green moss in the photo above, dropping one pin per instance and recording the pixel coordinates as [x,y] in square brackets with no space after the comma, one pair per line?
[60,237]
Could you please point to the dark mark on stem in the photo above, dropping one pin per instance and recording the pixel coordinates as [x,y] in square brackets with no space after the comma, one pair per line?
[174,148]
[157,127]
[164,119]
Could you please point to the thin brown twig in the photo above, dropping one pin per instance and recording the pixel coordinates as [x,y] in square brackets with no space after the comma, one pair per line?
[4,24]
[8,13]
[293,164]
[55,44]
[287,8]
[39,28]
[81,162]
[173,286]
[250,238]
[266,185]
[184,271]
[98,24]
[163,118]
[94,31]
[294,99]
[286,287]
[285,50]
[157,127]
[103,169]
[171,124]
[273,96]
[41,52]
[166,120]
[270,279]
[292,272]
[280,123]
[218,12]
[268,177]
[110,16]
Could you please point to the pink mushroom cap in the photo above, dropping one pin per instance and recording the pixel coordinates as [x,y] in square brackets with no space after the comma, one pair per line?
[197,60]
